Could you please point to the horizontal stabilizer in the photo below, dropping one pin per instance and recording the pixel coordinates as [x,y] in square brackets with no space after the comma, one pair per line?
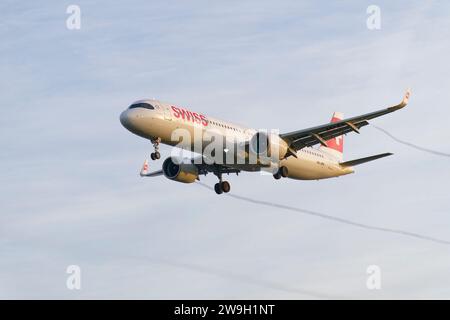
[364,160]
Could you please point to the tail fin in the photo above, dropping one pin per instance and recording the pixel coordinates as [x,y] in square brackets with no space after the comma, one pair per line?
[335,146]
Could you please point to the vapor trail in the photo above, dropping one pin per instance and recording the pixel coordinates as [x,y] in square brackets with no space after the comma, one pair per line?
[332,218]
[239,277]
[409,144]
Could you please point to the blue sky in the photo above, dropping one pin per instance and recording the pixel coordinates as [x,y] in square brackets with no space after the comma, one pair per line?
[71,194]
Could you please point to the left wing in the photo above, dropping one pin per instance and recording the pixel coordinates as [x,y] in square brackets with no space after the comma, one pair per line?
[320,134]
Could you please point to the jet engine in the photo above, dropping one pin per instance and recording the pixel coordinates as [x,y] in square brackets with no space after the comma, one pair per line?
[268,145]
[177,170]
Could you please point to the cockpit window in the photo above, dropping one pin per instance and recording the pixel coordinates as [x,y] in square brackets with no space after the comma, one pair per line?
[142,105]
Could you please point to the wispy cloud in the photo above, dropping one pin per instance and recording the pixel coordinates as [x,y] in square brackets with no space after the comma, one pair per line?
[70,192]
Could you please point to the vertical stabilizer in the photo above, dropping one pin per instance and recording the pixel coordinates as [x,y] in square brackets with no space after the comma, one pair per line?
[335,146]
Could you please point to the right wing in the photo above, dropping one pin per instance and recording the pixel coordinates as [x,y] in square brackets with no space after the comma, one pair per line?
[203,168]
[300,139]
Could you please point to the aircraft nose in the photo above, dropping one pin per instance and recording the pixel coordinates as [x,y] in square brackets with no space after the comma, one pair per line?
[136,121]
[124,118]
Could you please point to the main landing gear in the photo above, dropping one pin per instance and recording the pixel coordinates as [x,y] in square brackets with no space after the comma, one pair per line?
[155,155]
[282,172]
[222,186]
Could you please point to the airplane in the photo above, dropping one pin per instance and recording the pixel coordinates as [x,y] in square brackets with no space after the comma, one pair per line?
[287,155]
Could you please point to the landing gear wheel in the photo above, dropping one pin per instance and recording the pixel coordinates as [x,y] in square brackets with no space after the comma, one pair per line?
[155,155]
[218,188]
[277,176]
[283,172]
[225,186]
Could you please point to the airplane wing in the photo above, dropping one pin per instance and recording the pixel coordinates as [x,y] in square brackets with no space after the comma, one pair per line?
[203,169]
[320,134]
[153,174]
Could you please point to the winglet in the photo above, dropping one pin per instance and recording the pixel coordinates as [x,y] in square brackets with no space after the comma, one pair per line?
[144,170]
[405,98]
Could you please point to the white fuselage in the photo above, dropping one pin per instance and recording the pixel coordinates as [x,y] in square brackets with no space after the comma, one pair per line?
[165,119]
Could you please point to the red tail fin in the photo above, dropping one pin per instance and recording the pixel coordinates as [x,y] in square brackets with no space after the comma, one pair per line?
[338,142]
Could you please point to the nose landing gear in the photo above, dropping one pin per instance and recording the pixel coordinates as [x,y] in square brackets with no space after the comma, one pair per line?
[155,155]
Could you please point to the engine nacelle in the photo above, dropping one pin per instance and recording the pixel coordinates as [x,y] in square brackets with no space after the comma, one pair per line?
[268,145]
[179,171]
